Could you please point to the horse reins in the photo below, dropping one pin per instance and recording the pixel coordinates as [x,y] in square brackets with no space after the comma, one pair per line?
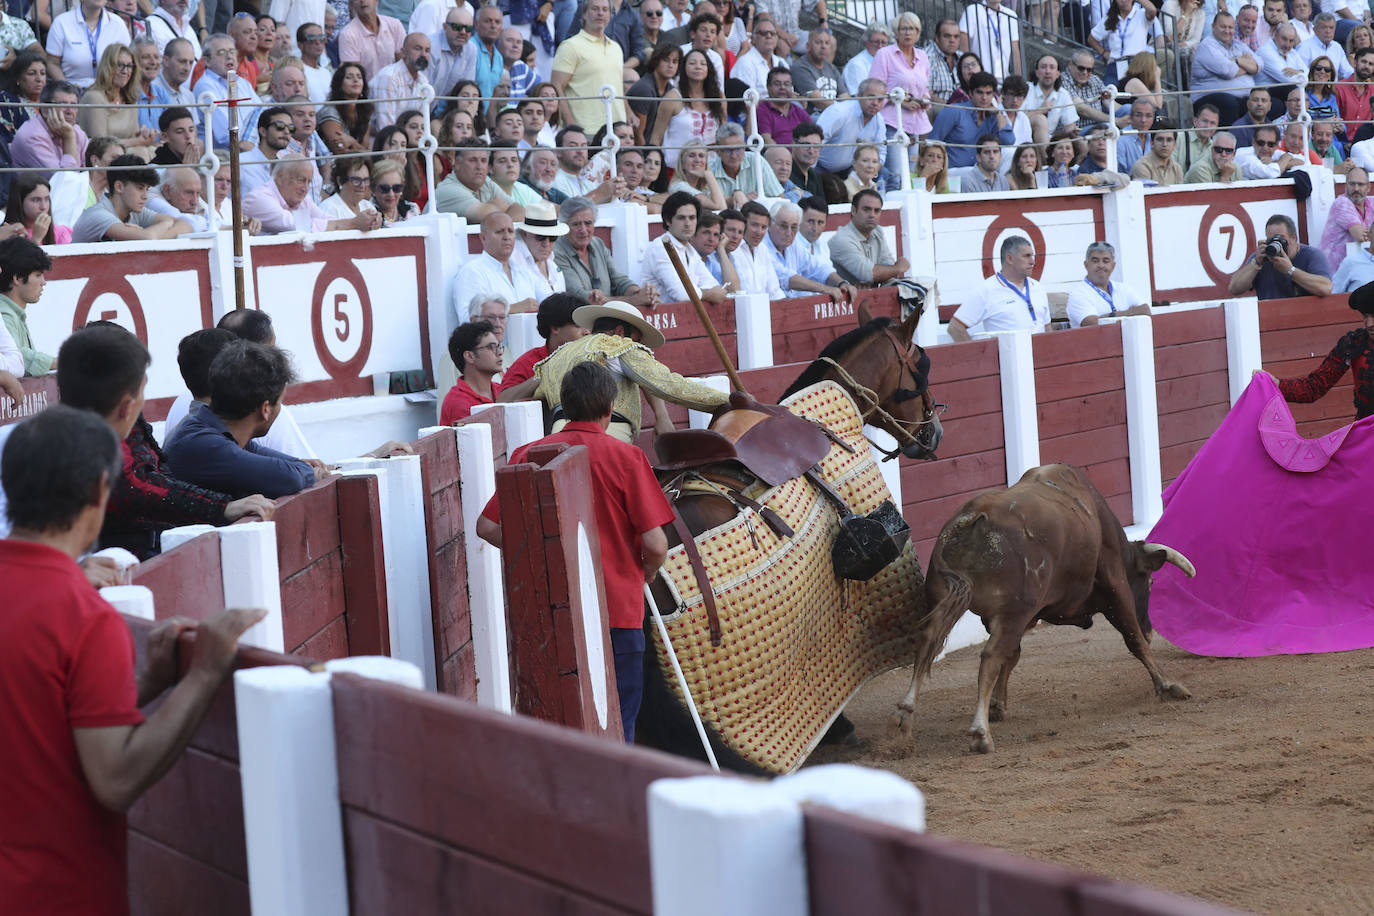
[875,406]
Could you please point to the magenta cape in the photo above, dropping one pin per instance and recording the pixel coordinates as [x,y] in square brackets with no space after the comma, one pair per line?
[1278,528]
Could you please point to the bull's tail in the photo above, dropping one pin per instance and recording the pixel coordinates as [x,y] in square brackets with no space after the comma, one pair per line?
[948,594]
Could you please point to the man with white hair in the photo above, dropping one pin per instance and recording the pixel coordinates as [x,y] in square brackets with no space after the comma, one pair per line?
[284,205]
[180,197]
[1280,62]
[799,274]
[395,86]
[454,54]
[1323,43]
[490,273]
[876,37]
[850,123]
[737,170]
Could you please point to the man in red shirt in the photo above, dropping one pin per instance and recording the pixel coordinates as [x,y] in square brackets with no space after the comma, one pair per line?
[1353,92]
[556,325]
[476,352]
[78,752]
[631,511]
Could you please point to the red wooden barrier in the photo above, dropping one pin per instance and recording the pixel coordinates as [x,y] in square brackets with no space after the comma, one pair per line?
[549,529]
[1080,393]
[448,565]
[802,327]
[973,454]
[1191,384]
[186,581]
[860,866]
[1295,336]
[186,840]
[39,393]
[688,343]
[449,808]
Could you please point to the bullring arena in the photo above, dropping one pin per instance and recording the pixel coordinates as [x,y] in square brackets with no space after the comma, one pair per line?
[353,791]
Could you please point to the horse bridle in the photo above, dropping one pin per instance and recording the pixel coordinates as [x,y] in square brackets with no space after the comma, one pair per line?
[909,360]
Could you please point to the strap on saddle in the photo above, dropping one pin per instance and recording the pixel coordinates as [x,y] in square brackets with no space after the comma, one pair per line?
[771,442]
[708,599]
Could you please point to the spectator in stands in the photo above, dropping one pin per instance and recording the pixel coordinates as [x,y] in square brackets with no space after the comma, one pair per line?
[520,72]
[753,66]
[1197,143]
[651,19]
[1295,141]
[1223,69]
[81,752]
[122,214]
[310,40]
[1092,99]
[533,256]
[221,60]
[942,53]
[866,172]
[243,31]
[1048,104]
[103,369]
[540,172]
[266,52]
[1025,167]
[179,141]
[646,95]
[80,36]
[754,265]
[1219,165]
[703,29]
[23,88]
[1257,105]
[933,166]
[1184,25]
[1300,271]
[583,64]
[904,65]
[993,32]
[780,115]
[986,173]
[255,164]
[815,213]
[859,249]
[738,171]
[1280,62]
[371,39]
[468,191]
[23,265]
[395,86]
[354,181]
[1321,90]
[1159,165]
[1323,142]
[490,272]
[1353,94]
[30,206]
[807,140]
[588,268]
[16,38]
[170,21]
[695,178]
[959,126]
[116,87]
[490,63]
[1097,296]
[1127,29]
[706,241]
[680,213]
[214,448]
[1247,28]
[1323,43]
[534,128]
[1356,270]
[1349,218]
[1135,142]
[149,65]
[850,122]
[572,158]
[179,197]
[221,203]
[509,125]
[816,78]
[503,167]
[1263,159]
[284,205]
[455,54]
[779,159]
[679,118]
[172,85]
[798,272]
[53,140]
[346,125]
[1009,300]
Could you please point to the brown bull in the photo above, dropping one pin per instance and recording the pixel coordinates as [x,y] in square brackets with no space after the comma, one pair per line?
[1049,549]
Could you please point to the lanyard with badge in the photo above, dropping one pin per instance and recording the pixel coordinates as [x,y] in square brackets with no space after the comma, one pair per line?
[1109,295]
[1122,29]
[93,39]
[1023,296]
[992,26]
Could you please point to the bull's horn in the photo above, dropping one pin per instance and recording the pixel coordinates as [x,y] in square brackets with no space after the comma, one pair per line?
[1173,556]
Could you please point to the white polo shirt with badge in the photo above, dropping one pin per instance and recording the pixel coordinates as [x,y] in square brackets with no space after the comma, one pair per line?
[1086,300]
[999,305]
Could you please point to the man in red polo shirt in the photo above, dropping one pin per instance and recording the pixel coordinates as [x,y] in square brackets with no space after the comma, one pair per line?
[631,511]
[476,352]
[556,325]
[77,750]
[1353,92]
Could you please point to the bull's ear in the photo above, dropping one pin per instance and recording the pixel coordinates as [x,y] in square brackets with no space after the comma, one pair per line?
[1148,560]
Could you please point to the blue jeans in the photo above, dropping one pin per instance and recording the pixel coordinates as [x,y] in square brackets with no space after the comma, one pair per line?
[628,648]
[894,160]
[563,13]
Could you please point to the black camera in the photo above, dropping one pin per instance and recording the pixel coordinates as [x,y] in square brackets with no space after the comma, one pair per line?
[1276,246]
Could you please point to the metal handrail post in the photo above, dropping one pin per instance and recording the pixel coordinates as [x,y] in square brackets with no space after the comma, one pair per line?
[429,144]
[755,139]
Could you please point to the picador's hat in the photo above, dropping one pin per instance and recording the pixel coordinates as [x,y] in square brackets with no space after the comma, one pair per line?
[1362,299]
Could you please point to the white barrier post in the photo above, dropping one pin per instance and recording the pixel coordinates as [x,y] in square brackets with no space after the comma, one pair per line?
[288,768]
[1142,418]
[891,470]
[133,600]
[699,419]
[401,501]
[486,592]
[754,330]
[524,423]
[522,332]
[875,794]
[1124,226]
[1020,422]
[248,561]
[629,225]
[1243,354]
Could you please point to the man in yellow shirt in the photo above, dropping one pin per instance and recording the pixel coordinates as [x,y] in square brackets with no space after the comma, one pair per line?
[584,63]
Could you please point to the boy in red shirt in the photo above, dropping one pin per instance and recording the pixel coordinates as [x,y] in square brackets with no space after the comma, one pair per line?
[631,511]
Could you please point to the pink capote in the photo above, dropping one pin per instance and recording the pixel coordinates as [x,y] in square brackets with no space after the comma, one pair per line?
[1279,529]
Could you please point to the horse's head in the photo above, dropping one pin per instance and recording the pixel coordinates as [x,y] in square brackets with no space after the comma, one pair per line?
[899,371]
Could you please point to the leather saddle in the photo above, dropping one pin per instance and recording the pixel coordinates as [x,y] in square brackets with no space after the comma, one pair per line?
[771,442]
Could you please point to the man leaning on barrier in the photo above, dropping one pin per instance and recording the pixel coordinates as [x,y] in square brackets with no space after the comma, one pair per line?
[1282,267]
[122,214]
[859,250]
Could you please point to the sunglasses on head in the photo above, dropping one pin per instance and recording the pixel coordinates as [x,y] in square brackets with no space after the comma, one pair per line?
[390,188]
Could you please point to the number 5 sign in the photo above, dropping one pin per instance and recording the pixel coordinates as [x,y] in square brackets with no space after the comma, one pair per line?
[341,319]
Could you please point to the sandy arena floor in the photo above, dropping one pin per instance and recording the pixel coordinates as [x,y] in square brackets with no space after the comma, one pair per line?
[1257,793]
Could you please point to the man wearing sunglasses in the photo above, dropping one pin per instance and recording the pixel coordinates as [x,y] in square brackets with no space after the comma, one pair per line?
[1091,97]
[1219,165]
[274,134]
[310,38]
[455,56]
[1264,159]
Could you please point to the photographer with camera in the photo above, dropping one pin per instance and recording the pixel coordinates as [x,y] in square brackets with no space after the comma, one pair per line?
[1283,268]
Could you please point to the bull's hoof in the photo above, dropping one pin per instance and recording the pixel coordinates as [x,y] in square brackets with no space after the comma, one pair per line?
[980,742]
[996,712]
[1169,691]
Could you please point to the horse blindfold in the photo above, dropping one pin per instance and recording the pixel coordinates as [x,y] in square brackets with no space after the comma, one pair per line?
[920,375]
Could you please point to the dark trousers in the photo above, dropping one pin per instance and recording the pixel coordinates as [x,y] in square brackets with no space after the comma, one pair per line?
[1077,19]
[628,648]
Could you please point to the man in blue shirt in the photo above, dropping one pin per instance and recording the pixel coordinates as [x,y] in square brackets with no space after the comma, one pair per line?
[1355,271]
[960,125]
[799,272]
[851,122]
[213,446]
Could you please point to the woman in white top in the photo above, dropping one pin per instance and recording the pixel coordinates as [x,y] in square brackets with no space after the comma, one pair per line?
[695,178]
[867,163]
[80,36]
[680,121]
[535,237]
[388,188]
[1125,32]
[354,187]
[1189,22]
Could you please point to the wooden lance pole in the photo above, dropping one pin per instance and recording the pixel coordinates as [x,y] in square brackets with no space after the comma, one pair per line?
[735,381]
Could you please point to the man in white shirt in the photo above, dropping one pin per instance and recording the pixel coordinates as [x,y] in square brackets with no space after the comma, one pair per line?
[752,260]
[274,133]
[1264,159]
[491,273]
[1097,296]
[310,37]
[1048,104]
[876,37]
[1280,62]
[752,67]
[1009,300]
[704,28]
[172,20]
[993,32]
[572,157]
[179,197]
[680,213]
[396,86]
[815,213]
[1323,43]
